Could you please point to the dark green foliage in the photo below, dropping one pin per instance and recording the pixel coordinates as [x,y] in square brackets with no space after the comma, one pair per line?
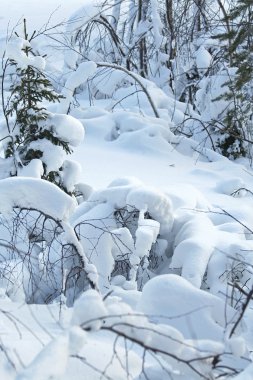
[231,144]
[239,54]
[29,91]
[241,45]
[27,94]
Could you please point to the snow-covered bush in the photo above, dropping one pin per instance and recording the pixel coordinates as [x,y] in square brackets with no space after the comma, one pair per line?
[41,258]
[123,232]
[163,349]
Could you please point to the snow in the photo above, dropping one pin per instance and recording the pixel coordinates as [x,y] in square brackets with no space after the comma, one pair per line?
[195,313]
[106,81]
[75,79]
[15,50]
[53,155]
[237,346]
[33,169]
[157,204]
[162,228]
[67,128]
[246,374]
[89,311]
[203,60]
[212,88]
[230,186]
[193,248]
[157,24]
[77,339]
[81,15]
[31,192]
[70,174]
[49,363]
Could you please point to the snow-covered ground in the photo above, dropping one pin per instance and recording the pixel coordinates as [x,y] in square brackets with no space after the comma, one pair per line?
[201,204]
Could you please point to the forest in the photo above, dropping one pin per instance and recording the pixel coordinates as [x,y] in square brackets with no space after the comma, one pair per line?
[126,190]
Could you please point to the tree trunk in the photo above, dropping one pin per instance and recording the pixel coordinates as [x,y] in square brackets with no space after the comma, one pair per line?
[143,59]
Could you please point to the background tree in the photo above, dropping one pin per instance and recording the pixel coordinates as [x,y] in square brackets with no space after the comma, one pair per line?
[237,122]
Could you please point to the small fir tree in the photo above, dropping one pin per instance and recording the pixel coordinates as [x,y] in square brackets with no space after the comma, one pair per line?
[30,89]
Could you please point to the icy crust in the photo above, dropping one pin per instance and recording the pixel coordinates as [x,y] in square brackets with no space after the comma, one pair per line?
[32,193]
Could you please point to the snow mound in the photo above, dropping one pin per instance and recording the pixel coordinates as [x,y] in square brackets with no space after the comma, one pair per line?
[67,128]
[32,193]
[50,363]
[194,312]
[89,310]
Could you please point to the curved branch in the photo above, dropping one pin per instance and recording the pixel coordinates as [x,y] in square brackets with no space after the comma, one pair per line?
[136,78]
